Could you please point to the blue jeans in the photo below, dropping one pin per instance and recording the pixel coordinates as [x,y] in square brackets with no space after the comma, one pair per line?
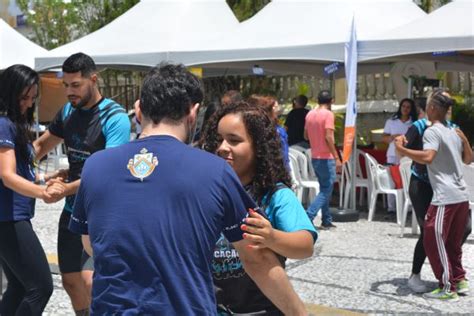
[325,170]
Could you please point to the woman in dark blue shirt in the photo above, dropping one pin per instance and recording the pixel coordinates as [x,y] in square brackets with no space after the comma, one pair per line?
[21,254]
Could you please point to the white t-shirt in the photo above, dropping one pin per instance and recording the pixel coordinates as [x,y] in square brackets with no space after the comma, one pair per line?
[395,127]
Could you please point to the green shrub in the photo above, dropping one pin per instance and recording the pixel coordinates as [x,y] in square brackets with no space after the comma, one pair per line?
[463,115]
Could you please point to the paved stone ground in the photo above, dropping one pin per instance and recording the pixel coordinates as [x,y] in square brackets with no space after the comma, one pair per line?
[359,266]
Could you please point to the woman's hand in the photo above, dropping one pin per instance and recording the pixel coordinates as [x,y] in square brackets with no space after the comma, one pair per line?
[259,231]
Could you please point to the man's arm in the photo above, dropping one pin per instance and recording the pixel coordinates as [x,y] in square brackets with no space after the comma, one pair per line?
[45,144]
[305,134]
[86,243]
[332,147]
[467,150]
[265,269]
[424,157]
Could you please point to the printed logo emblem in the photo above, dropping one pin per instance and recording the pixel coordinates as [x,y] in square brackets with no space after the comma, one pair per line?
[142,165]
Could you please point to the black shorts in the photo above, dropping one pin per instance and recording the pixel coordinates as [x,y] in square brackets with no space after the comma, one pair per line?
[71,254]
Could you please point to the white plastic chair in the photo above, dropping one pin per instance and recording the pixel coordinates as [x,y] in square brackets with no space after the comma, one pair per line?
[297,170]
[58,158]
[405,172]
[297,188]
[381,183]
[360,182]
[309,157]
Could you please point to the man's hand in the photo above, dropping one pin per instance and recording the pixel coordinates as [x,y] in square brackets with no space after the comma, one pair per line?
[400,141]
[259,231]
[61,173]
[53,193]
[338,166]
[57,189]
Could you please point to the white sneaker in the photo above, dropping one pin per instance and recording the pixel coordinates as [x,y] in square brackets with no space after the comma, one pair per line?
[416,284]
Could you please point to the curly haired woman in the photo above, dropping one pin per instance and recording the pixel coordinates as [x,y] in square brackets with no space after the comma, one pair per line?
[246,137]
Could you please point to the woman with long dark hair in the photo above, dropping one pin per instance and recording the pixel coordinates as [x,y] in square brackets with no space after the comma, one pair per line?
[21,254]
[395,126]
[245,136]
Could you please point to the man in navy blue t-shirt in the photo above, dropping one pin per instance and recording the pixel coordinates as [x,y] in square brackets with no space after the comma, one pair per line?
[152,210]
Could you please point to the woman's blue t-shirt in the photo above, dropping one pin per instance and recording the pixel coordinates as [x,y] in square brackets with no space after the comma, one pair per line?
[14,206]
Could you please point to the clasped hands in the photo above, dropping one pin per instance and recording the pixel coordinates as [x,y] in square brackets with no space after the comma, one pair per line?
[55,188]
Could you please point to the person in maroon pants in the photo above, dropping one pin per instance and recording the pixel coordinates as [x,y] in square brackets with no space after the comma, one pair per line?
[444,150]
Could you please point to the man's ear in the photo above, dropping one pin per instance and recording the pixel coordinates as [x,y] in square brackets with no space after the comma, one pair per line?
[193,113]
[94,78]
[138,111]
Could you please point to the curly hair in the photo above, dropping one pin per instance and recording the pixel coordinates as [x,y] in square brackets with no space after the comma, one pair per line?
[270,168]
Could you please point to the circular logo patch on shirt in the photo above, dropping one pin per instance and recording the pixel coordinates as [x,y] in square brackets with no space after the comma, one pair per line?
[142,164]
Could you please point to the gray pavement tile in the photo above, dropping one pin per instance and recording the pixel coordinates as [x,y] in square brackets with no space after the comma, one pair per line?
[361,266]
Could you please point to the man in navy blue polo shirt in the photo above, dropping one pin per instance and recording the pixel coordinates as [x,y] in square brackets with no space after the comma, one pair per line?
[152,210]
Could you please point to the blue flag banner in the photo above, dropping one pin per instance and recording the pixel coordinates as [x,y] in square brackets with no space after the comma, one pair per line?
[331,68]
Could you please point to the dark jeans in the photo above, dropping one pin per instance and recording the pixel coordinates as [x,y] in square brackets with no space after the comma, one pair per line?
[25,265]
[421,194]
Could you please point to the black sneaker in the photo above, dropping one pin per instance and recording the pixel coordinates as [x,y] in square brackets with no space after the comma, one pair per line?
[327,226]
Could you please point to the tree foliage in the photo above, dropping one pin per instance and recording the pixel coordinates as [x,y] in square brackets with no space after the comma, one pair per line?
[58,22]
[430,5]
[244,9]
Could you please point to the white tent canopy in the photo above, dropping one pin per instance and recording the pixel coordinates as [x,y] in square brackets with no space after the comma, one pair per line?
[198,32]
[311,32]
[16,49]
[144,35]
[448,32]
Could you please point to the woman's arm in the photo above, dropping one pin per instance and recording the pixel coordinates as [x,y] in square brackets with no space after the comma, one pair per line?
[17,183]
[261,234]
[467,150]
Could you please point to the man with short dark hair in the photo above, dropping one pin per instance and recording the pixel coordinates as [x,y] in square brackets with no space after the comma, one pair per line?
[153,235]
[87,123]
[445,148]
[295,122]
[319,130]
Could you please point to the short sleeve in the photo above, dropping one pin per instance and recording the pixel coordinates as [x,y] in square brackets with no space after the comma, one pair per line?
[329,121]
[236,203]
[387,129]
[7,134]
[412,136]
[431,140]
[117,130]
[56,127]
[78,222]
[288,214]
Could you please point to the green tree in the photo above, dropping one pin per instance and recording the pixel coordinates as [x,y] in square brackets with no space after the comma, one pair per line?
[244,9]
[430,5]
[58,22]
